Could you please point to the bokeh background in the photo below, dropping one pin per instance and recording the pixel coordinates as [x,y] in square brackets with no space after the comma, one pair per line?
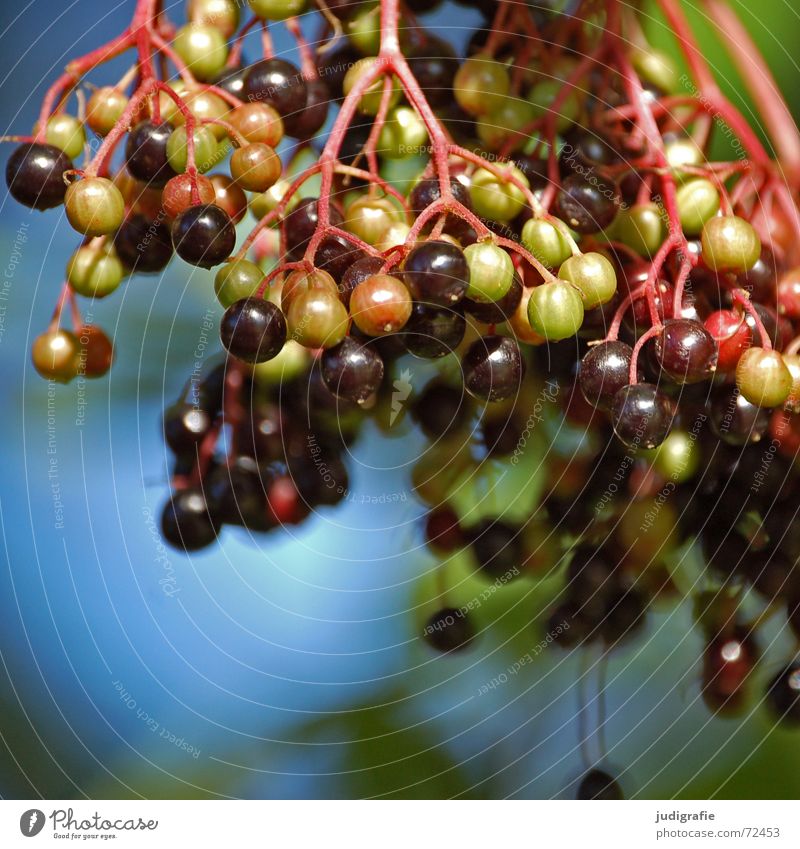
[289,665]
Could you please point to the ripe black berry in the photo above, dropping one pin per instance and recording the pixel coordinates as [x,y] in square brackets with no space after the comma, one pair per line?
[604,371]
[186,522]
[437,273]
[587,207]
[204,235]
[146,153]
[185,426]
[280,84]
[642,415]
[253,330]
[35,175]
[493,368]
[143,245]
[434,331]
[352,370]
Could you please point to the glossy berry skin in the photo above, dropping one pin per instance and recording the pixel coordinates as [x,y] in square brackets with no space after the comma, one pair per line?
[229,196]
[437,273]
[733,336]
[185,425]
[598,784]
[146,153]
[186,522]
[642,415]
[358,272]
[204,235]
[35,175]
[686,351]
[307,123]
[255,167]
[142,245]
[434,65]
[178,193]
[783,694]
[730,244]
[604,371]
[94,206]
[449,630]
[55,355]
[253,330]
[493,368]
[301,223]
[727,661]
[763,377]
[555,310]
[585,207]
[352,370]
[258,123]
[278,83]
[593,275]
[496,312]
[428,191]
[380,305]
[434,331]
[317,318]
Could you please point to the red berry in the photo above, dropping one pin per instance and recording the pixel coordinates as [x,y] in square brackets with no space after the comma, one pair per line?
[732,334]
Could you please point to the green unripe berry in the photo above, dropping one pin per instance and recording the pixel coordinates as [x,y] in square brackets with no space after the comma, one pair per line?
[203,48]
[404,134]
[491,272]
[290,362]
[542,97]
[503,125]
[592,275]
[698,202]
[480,84]
[222,14]
[763,377]
[730,243]
[55,355]
[66,133]
[657,68]
[370,102]
[494,197]
[546,242]
[555,310]
[105,108]
[94,272]
[94,206]
[237,279]
[263,203]
[364,29]
[678,457]
[642,228]
[206,149]
[682,153]
[277,10]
